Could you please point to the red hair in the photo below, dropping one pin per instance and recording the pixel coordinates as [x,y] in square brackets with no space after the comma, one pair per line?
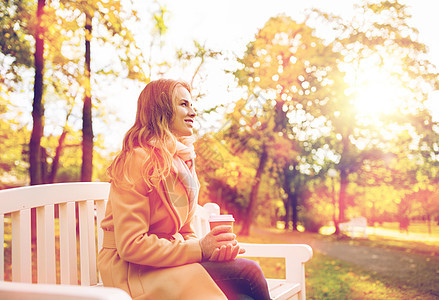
[155,111]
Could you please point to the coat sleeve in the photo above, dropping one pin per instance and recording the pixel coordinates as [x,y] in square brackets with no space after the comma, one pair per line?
[131,218]
[187,231]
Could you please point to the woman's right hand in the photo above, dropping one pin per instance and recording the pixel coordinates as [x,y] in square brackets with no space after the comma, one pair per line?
[216,238]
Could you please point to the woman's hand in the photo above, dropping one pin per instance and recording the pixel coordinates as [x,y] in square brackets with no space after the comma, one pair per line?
[221,242]
[227,252]
[217,237]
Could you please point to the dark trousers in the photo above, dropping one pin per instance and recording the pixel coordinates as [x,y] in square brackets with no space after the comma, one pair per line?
[239,279]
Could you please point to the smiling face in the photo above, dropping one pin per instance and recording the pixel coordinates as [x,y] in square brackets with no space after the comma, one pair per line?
[184,114]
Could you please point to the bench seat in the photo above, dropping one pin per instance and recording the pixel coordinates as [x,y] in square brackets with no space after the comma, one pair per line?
[281,289]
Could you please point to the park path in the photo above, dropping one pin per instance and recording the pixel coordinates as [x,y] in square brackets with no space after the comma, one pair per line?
[419,271]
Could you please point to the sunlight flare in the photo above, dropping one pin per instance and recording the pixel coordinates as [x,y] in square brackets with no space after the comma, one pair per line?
[377,93]
[374,89]
[378,98]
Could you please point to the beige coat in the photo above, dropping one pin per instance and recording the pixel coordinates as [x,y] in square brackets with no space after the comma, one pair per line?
[150,249]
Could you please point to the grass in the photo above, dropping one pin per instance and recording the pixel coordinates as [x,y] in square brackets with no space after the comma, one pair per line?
[329,278]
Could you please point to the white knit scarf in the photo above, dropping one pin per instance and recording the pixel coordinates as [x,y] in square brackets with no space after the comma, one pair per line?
[183,172]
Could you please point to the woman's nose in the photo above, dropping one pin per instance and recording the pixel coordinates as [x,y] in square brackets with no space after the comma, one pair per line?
[192,112]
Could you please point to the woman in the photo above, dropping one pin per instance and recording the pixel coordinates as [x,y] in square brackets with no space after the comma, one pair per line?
[149,248]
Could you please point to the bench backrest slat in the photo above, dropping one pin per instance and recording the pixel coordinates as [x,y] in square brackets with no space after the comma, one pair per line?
[21,246]
[46,267]
[100,213]
[200,222]
[87,243]
[67,243]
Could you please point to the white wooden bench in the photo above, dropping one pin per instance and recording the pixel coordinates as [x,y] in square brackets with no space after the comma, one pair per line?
[354,226]
[57,244]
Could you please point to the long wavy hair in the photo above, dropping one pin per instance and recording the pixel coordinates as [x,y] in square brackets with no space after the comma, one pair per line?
[155,111]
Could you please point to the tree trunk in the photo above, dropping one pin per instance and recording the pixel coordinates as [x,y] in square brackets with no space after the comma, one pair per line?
[342,196]
[292,200]
[35,172]
[334,204]
[44,165]
[294,207]
[345,164]
[58,152]
[251,209]
[87,128]
[429,224]
[287,214]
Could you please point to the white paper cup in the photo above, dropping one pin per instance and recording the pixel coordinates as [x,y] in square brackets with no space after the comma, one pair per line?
[216,220]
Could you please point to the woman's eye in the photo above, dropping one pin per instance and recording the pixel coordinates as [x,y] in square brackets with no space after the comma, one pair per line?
[184,104]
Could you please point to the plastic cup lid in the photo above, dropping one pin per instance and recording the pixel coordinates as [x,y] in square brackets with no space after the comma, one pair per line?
[221,218]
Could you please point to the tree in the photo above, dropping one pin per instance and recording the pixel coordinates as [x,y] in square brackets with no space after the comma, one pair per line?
[224,174]
[13,140]
[249,134]
[15,17]
[16,54]
[290,66]
[378,44]
[199,57]
[35,154]
[65,66]
[111,31]
[87,126]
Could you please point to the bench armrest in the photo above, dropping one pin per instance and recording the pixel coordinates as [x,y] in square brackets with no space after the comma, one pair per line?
[296,255]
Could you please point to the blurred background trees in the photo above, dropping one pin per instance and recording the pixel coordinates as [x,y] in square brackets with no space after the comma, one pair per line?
[328,125]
